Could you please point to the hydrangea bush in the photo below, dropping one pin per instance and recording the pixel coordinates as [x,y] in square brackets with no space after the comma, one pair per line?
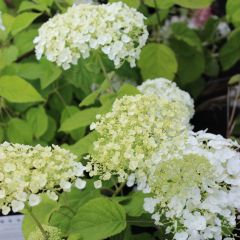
[98,109]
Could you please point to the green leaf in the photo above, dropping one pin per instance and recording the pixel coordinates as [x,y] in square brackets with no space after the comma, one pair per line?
[233,11]
[194,4]
[84,145]
[81,119]
[187,35]
[84,74]
[3,6]
[7,22]
[42,212]
[229,53]
[98,219]
[38,120]
[29,71]
[135,207]
[162,4]
[1,134]
[130,3]
[157,60]
[234,79]
[51,131]
[212,65]
[19,131]
[17,90]
[45,2]
[24,41]
[67,113]
[74,200]
[188,56]
[49,73]
[91,98]
[26,5]
[127,89]
[84,118]
[22,21]
[7,56]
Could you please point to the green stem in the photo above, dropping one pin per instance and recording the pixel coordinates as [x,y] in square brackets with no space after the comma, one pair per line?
[157,12]
[37,223]
[119,189]
[103,68]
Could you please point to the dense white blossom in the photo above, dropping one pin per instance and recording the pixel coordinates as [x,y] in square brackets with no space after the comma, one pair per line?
[115,29]
[2,27]
[28,172]
[131,133]
[198,192]
[165,88]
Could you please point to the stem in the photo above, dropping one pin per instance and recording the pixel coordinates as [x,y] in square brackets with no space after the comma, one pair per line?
[103,68]
[119,189]
[157,12]
[37,223]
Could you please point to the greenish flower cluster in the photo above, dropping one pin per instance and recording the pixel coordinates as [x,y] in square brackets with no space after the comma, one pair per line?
[27,172]
[178,175]
[52,233]
[135,128]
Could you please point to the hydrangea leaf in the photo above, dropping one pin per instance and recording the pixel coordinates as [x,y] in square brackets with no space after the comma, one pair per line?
[84,145]
[51,131]
[233,11]
[24,40]
[26,5]
[159,3]
[19,131]
[7,56]
[229,53]
[1,134]
[134,207]
[157,60]
[187,35]
[98,219]
[193,3]
[75,199]
[187,54]
[22,21]
[38,120]
[127,89]
[17,90]
[67,113]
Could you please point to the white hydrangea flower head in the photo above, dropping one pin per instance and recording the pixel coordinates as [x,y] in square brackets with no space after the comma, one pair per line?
[28,172]
[199,191]
[114,29]
[2,27]
[163,87]
[53,233]
[131,133]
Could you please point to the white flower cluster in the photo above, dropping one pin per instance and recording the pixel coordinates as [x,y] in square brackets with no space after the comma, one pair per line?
[164,88]
[135,128]
[2,27]
[198,193]
[27,172]
[115,29]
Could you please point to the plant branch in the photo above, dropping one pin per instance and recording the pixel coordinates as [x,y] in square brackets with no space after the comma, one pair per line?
[37,223]
[119,189]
